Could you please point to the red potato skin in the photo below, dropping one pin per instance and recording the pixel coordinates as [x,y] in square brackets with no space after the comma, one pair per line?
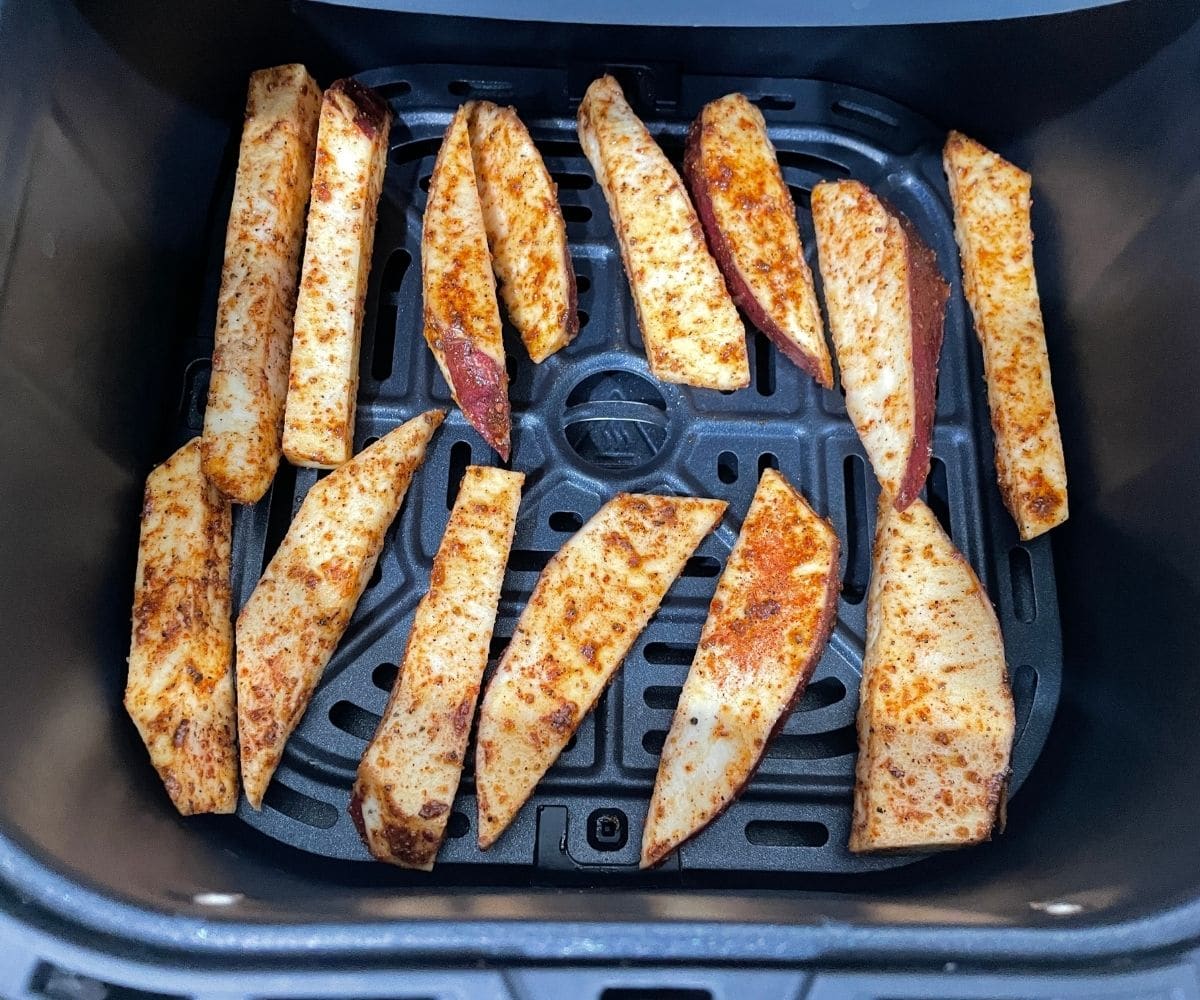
[482,388]
[927,296]
[824,630]
[693,175]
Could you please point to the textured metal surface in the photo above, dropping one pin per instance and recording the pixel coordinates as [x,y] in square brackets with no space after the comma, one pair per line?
[589,422]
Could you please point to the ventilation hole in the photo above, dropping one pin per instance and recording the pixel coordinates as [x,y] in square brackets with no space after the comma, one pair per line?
[385,325]
[652,741]
[376,575]
[458,826]
[764,364]
[576,213]
[571,743]
[583,319]
[573,182]
[52,983]
[702,566]
[793,833]
[561,148]
[350,718]
[653,993]
[813,164]
[498,645]
[384,676]
[460,458]
[566,521]
[1024,690]
[726,392]
[528,560]
[397,88]
[459,88]
[423,183]
[727,467]
[370,441]
[661,697]
[279,517]
[858,546]
[1021,568]
[821,694]
[669,652]
[407,152]
[582,283]
[607,829]
[818,746]
[774,102]
[801,196]
[937,493]
[767,460]
[864,113]
[300,807]
[491,88]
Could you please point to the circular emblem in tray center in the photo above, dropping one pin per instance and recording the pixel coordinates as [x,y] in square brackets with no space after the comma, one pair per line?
[616,420]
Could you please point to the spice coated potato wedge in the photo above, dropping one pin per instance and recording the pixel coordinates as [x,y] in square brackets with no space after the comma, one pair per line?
[991,224]
[690,326]
[243,423]
[299,611]
[767,626]
[411,768]
[179,691]
[462,319]
[887,303]
[525,230]
[352,146]
[750,220]
[590,604]
[935,717]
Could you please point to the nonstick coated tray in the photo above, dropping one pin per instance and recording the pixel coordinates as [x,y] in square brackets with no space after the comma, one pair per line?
[589,422]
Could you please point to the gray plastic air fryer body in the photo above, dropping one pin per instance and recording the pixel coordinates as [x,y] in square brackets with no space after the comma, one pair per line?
[118,127]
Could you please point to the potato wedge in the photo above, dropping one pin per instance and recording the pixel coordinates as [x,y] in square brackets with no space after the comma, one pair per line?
[767,626]
[935,717]
[887,303]
[462,318]
[690,326]
[525,230]
[352,147]
[243,424]
[180,687]
[590,604]
[299,611]
[411,768]
[991,224]
[750,220]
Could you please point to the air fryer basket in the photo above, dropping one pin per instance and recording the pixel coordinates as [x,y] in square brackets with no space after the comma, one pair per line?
[590,422]
[118,126]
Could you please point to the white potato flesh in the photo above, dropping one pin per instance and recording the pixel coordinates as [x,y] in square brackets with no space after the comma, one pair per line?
[179,691]
[590,604]
[299,611]
[243,423]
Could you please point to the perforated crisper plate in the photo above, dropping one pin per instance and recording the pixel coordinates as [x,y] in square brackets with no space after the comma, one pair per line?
[590,422]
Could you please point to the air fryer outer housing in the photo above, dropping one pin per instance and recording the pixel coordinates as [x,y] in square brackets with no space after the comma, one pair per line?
[119,131]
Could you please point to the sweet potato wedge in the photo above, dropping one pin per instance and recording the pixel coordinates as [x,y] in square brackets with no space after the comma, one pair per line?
[750,220]
[411,768]
[243,424]
[462,319]
[935,717]
[887,303]
[690,326]
[352,146]
[590,604]
[767,626]
[299,611]
[991,224]
[525,230]
[180,686]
